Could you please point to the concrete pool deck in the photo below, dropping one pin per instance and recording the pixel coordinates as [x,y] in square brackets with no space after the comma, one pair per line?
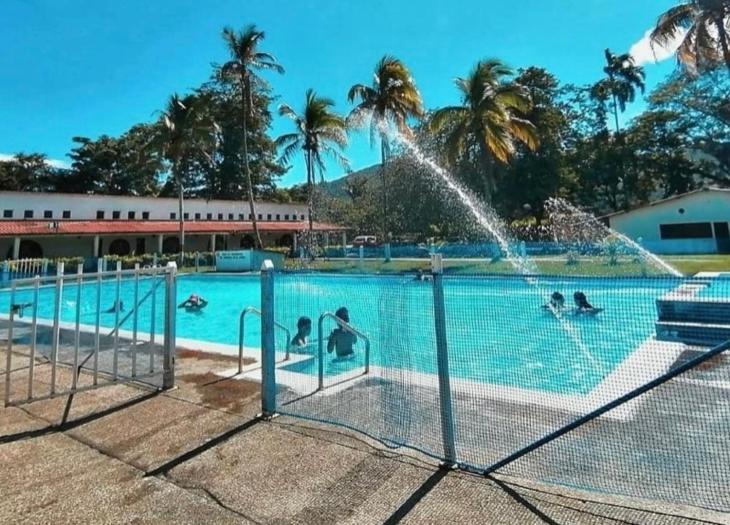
[197,454]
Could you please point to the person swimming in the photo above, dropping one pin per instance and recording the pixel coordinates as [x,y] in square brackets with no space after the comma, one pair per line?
[304,329]
[582,306]
[341,340]
[194,302]
[118,306]
[557,302]
[20,308]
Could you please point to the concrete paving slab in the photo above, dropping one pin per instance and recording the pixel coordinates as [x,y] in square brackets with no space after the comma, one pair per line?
[58,480]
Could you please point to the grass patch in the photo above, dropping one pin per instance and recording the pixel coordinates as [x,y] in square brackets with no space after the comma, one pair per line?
[688,265]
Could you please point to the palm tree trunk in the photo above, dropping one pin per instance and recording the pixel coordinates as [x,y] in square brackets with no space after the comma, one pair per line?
[181,218]
[247,168]
[722,34]
[310,201]
[383,159]
[615,113]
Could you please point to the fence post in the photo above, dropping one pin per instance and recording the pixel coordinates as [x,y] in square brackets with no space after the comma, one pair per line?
[442,361]
[386,251]
[56,334]
[168,357]
[268,342]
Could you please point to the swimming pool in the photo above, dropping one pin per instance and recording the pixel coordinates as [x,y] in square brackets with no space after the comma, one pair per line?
[496,331]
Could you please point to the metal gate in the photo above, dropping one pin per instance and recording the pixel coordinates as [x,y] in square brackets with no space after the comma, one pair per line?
[78,331]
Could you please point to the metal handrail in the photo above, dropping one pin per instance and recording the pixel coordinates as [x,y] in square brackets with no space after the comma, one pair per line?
[136,307]
[346,327]
[241,334]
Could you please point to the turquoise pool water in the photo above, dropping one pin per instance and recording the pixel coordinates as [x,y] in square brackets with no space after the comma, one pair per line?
[496,331]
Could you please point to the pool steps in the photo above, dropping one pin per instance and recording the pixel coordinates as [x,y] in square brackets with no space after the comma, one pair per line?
[683,316]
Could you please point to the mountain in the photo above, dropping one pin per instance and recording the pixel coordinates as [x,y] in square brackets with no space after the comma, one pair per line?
[338,187]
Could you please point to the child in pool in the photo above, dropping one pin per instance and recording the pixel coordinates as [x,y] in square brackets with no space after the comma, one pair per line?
[304,328]
[341,340]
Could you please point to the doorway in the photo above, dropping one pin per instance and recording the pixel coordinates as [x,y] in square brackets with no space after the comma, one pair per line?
[722,237]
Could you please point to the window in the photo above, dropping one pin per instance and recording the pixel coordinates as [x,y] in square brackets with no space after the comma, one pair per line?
[260,217]
[173,216]
[145,215]
[268,216]
[66,214]
[186,216]
[230,216]
[278,217]
[28,214]
[7,214]
[689,230]
[241,216]
[197,216]
[131,215]
[116,214]
[286,217]
[220,216]
[209,216]
[48,214]
[302,217]
[100,214]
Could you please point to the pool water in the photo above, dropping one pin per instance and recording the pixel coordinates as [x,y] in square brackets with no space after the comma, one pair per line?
[497,333]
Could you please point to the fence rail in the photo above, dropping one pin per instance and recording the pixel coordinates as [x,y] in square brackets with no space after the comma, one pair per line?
[614,384]
[64,333]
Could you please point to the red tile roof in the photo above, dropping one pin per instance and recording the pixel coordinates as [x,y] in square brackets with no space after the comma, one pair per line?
[107,227]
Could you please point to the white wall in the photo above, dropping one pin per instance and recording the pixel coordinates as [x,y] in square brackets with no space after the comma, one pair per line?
[84,207]
[643,223]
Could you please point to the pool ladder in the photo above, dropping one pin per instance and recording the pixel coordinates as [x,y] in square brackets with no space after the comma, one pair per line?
[242,333]
[347,327]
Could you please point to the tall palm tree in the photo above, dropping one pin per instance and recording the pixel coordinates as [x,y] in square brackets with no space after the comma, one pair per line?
[184,129]
[392,98]
[319,132]
[623,76]
[706,28]
[245,60]
[488,124]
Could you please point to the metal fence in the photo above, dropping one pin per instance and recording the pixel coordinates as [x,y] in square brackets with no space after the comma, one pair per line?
[620,386]
[21,268]
[71,332]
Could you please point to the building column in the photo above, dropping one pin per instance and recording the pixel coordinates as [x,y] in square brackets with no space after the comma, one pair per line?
[160,239]
[344,244]
[16,248]
[96,246]
[212,242]
[294,243]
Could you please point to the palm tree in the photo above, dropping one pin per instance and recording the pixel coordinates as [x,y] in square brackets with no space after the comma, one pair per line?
[489,123]
[184,129]
[319,132]
[706,28]
[623,76]
[392,98]
[245,60]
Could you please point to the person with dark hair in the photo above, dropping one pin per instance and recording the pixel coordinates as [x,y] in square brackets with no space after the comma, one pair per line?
[582,306]
[342,340]
[557,302]
[193,303]
[304,328]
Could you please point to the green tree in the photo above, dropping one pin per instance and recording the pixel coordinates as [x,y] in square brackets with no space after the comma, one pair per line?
[533,176]
[184,130]
[319,132]
[705,25]
[27,172]
[392,98]
[623,77]
[489,124]
[245,60]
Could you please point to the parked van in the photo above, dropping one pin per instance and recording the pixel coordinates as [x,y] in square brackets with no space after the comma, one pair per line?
[365,240]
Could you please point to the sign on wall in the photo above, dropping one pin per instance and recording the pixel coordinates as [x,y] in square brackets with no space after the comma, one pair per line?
[233,261]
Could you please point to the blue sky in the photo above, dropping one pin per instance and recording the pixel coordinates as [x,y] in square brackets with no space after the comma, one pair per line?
[92,67]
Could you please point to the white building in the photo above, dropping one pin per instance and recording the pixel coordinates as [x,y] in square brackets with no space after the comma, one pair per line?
[693,222]
[65,225]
